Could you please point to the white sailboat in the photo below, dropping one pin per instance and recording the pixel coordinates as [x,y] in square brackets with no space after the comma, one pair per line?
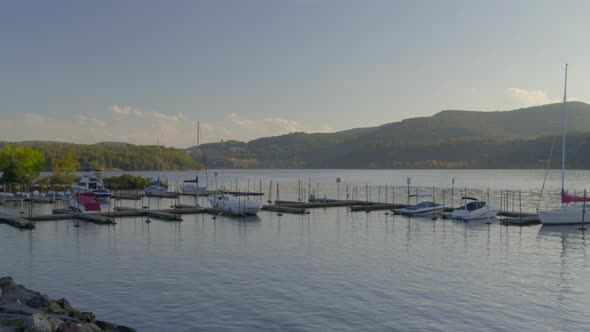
[193,186]
[156,187]
[567,214]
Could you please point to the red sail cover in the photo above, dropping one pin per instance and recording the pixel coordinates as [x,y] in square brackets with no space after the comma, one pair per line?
[88,201]
[567,198]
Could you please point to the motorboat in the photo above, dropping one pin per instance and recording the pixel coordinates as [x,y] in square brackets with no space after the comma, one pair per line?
[228,204]
[84,202]
[91,183]
[422,208]
[474,209]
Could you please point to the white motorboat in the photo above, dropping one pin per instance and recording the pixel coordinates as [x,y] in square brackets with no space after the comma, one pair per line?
[84,202]
[422,208]
[91,183]
[474,209]
[228,204]
[567,213]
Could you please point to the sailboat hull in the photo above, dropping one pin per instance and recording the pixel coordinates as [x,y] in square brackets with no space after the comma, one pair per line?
[567,215]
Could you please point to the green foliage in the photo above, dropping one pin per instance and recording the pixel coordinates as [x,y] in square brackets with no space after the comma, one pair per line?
[126,182]
[20,164]
[112,157]
[63,168]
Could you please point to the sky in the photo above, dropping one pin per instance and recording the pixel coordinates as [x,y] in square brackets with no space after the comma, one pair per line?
[138,71]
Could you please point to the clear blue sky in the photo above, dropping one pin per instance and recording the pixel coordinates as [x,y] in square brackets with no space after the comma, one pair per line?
[90,71]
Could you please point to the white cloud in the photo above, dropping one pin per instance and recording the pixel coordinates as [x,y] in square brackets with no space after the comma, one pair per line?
[139,126]
[168,117]
[265,127]
[531,97]
[34,120]
[91,122]
[126,110]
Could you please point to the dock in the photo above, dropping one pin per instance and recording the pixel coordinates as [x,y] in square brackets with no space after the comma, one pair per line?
[168,194]
[376,207]
[17,222]
[285,209]
[314,204]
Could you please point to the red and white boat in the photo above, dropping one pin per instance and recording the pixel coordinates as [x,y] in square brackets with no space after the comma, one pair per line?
[85,202]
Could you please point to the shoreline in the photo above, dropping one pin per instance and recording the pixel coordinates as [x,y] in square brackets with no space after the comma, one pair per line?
[23,309]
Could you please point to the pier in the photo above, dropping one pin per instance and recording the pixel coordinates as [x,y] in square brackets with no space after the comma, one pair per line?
[17,222]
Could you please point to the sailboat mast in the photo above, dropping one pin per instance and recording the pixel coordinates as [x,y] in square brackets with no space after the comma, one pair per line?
[563,135]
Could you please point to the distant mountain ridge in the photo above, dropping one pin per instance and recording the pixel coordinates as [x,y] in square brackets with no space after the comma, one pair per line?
[448,139]
[366,147]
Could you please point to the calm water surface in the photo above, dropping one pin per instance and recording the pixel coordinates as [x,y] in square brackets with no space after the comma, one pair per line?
[330,270]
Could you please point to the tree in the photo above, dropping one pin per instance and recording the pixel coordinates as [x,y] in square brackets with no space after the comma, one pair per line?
[63,168]
[20,164]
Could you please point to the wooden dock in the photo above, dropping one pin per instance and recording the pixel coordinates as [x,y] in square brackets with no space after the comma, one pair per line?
[376,207]
[168,194]
[284,209]
[17,222]
[320,204]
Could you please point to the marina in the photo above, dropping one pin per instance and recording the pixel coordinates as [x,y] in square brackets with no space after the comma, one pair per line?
[315,248]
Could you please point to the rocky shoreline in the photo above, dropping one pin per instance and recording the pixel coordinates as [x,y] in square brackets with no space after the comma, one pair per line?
[25,310]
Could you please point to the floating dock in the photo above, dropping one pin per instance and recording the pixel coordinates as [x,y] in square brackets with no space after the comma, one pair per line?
[376,207]
[285,209]
[17,222]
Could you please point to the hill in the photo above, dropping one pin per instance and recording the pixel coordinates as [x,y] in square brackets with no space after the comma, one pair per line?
[452,138]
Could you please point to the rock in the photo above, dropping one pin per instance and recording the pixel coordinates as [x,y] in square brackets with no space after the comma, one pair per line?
[38,323]
[38,300]
[64,304]
[18,308]
[15,320]
[74,313]
[10,329]
[106,325]
[6,282]
[55,307]
[55,323]
[88,317]
[75,327]
[94,327]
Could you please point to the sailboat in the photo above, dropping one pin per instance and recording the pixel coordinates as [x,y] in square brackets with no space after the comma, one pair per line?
[192,186]
[567,214]
[156,187]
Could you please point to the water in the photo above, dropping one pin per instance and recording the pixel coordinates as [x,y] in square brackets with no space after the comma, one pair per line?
[330,270]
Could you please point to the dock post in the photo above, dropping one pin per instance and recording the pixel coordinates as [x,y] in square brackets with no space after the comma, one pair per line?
[520,205]
[582,228]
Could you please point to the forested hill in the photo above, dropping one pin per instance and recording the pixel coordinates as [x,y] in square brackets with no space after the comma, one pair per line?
[451,138]
[114,156]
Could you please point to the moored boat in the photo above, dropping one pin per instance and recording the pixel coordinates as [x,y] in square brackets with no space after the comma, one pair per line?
[422,208]
[474,209]
[84,202]
[91,183]
[227,204]
[567,213]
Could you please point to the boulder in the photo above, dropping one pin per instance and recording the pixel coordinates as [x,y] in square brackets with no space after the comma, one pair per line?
[88,317]
[38,323]
[55,323]
[64,304]
[18,308]
[75,327]
[6,282]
